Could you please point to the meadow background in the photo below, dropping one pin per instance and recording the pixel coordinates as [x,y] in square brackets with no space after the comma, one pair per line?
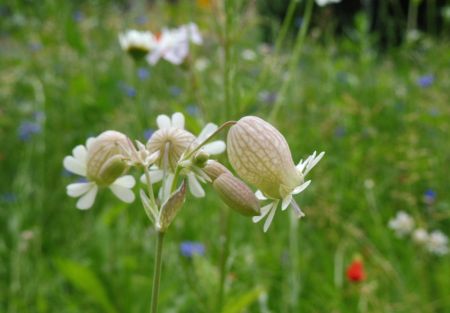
[380,111]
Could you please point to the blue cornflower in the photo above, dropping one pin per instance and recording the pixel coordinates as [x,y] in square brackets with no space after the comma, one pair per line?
[425,80]
[193,110]
[429,196]
[190,248]
[78,16]
[148,133]
[175,91]
[7,197]
[141,20]
[27,129]
[127,90]
[143,73]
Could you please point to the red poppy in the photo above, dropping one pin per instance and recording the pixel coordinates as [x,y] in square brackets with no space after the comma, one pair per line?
[355,272]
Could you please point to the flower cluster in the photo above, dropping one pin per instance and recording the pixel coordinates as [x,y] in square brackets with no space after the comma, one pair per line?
[171,45]
[179,160]
[435,242]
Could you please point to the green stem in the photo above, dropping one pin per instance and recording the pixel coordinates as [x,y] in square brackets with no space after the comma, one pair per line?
[294,277]
[224,245]
[295,58]
[157,272]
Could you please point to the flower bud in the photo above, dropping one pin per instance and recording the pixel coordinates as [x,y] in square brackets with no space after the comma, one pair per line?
[105,158]
[171,143]
[261,156]
[170,208]
[200,158]
[214,169]
[236,194]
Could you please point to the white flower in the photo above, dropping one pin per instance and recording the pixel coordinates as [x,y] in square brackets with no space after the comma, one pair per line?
[194,177]
[303,168]
[173,44]
[402,224]
[420,236]
[248,55]
[437,243]
[326,2]
[87,191]
[139,41]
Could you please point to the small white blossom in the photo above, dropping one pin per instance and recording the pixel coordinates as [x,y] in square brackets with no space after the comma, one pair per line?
[87,191]
[326,2]
[437,243]
[134,40]
[420,236]
[248,55]
[402,224]
[172,45]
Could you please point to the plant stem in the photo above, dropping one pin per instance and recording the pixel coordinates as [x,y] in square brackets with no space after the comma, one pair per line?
[294,58]
[157,272]
[224,245]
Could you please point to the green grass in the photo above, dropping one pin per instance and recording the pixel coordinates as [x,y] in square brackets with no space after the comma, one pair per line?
[361,106]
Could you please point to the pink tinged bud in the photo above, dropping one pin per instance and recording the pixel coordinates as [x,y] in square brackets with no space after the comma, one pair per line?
[105,158]
[236,194]
[261,156]
[214,169]
[171,143]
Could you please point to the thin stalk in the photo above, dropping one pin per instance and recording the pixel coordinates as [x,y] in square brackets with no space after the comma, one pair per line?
[294,276]
[157,272]
[224,245]
[149,187]
[294,58]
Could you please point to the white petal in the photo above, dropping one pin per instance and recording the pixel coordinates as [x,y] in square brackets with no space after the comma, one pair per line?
[286,201]
[215,147]
[206,131]
[259,195]
[313,162]
[163,121]
[126,181]
[270,217]
[78,189]
[123,193]
[80,153]
[164,191]
[73,165]
[178,120]
[300,188]
[87,200]
[89,142]
[156,175]
[194,186]
[264,210]
[298,212]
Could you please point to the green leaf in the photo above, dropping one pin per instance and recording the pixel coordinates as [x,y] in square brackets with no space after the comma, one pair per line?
[240,303]
[84,279]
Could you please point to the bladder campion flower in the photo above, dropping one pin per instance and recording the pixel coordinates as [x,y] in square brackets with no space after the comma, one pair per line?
[437,243]
[101,162]
[172,140]
[261,156]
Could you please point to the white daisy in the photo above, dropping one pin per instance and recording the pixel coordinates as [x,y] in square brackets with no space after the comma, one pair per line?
[87,191]
[194,177]
[303,167]
[402,224]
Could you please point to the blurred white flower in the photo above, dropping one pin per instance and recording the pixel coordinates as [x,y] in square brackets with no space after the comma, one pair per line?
[172,45]
[402,224]
[437,243]
[420,236]
[248,55]
[201,64]
[137,43]
[326,2]
[176,122]
[87,191]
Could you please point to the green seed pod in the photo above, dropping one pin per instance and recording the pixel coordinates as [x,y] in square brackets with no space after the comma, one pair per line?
[214,169]
[200,158]
[171,143]
[260,155]
[105,158]
[236,194]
